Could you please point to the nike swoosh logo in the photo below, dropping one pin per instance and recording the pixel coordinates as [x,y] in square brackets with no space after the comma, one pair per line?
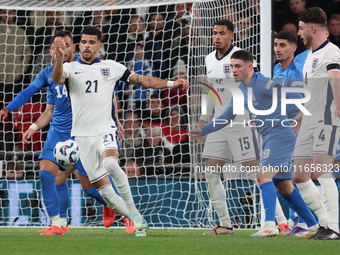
[78,72]
[318,145]
[210,70]
[245,153]
[50,79]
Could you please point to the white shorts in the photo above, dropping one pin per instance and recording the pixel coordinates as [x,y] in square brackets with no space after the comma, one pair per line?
[91,149]
[242,145]
[323,139]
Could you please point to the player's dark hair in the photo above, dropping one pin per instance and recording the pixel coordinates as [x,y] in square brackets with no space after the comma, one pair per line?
[287,35]
[244,55]
[62,33]
[92,31]
[225,22]
[155,96]
[313,15]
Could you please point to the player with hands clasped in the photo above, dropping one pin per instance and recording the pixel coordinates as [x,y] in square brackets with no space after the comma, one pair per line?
[91,84]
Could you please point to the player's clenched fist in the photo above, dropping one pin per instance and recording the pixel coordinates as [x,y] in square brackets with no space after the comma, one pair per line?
[4,113]
[181,84]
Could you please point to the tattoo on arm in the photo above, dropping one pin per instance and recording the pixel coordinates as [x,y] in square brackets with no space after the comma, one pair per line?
[137,78]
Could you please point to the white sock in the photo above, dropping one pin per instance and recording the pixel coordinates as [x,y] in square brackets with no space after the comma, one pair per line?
[279,215]
[270,224]
[303,225]
[218,198]
[121,181]
[56,220]
[63,222]
[113,200]
[330,196]
[312,198]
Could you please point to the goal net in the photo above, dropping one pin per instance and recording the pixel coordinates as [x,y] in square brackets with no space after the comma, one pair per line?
[150,38]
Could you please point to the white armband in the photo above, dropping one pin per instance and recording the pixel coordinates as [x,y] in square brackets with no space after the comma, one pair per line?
[34,127]
[170,84]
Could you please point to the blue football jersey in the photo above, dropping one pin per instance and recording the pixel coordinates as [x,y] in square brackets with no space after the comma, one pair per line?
[290,77]
[262,93]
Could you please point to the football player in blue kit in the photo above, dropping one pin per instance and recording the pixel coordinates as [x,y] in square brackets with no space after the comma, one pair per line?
[275,173]
[53,182]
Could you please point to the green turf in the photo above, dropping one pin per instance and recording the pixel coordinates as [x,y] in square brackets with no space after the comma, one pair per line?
[159,241]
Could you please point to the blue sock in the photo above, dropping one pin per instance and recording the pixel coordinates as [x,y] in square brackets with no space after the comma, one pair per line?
[297,204]
[64,198]
[268,191]
[300,220]
[93,192]
[114,186]
[49,193]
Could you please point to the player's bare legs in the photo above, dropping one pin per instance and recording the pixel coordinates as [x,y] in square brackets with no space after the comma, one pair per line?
[218,198]
[308,190]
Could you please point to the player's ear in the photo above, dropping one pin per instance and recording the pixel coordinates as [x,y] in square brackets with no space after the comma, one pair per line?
[294,47]
[74,48]
[100,46]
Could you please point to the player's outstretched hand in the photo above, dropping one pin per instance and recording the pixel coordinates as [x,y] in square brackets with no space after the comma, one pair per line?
[196,134]
[181,84]
[27,135]
[121,131]
[59,47]
[4,113]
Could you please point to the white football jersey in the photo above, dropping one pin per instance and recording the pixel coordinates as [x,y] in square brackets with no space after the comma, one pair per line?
[220,77]
[91,90]
[315,72]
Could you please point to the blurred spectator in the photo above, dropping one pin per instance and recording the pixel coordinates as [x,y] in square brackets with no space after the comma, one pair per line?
[43,59]
[14,57]
[247,38]
[176,135]
[154,116]
[289,26]
[100,18]
[176,96]
[14,169]
[38,19]
[14,62]
[296,6]
[174,25]
[43,35]
[103,52]
[132,138]
[141,66]
[229,13]
[334,29]
[131,169]
[136,33]
[152,154]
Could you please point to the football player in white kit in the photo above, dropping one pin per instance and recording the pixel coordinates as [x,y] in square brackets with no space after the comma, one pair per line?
[91,83]
[318,134]
[238,141]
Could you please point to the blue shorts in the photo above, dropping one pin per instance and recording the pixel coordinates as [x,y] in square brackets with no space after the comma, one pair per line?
[53,137]
[277,150]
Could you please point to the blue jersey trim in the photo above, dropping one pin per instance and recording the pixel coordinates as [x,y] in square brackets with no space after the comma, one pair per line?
[321,46]
[225,54]
[96,60]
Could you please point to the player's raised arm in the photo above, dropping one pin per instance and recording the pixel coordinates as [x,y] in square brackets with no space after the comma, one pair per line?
[58,74]
[156,83]
[44,119]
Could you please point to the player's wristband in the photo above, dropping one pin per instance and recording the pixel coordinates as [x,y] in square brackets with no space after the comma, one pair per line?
[170,84]
[34,127]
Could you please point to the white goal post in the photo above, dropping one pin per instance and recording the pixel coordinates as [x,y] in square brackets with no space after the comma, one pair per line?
[168,191]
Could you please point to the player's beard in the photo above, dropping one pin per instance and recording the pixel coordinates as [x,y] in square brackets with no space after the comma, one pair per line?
[89,57]
[307,41]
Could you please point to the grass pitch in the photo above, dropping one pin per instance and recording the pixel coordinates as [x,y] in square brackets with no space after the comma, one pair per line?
[159,241]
